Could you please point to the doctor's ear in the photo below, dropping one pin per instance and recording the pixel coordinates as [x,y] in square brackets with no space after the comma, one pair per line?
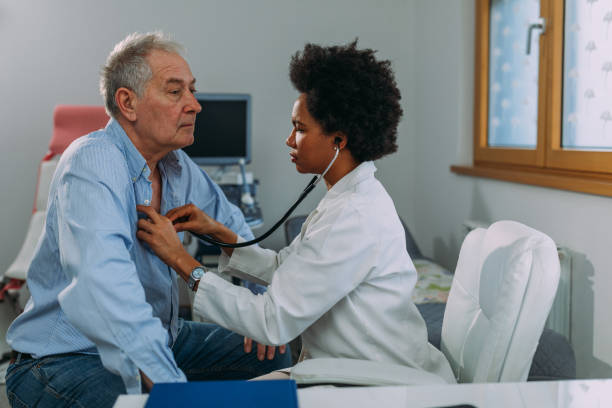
[340,140]
[126,101]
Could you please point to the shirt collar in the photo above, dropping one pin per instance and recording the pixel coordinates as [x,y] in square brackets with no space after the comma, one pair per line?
[137,165]
[362,172]
[171,160]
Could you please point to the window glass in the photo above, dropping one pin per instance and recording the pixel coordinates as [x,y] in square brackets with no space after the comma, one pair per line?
[513,75]
[587,75]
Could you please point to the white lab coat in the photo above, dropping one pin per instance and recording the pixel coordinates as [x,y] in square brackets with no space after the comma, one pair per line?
[344,284]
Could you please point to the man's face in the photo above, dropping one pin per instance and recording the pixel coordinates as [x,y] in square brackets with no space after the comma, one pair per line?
[166,112]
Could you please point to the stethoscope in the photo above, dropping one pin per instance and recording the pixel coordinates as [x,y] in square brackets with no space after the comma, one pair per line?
[309,187]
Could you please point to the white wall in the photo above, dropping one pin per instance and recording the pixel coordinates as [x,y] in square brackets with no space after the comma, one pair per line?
[52,53]
[442,200]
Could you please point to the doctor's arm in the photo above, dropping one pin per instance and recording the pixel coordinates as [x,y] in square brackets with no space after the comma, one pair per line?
[324,268]
[209,197]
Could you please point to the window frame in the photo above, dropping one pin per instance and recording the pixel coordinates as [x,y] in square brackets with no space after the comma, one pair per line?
[482,152]
[549,164]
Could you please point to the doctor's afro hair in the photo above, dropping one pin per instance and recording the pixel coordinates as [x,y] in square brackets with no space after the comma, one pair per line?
[348,90]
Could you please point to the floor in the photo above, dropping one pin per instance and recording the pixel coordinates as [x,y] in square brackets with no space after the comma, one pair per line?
[3,399]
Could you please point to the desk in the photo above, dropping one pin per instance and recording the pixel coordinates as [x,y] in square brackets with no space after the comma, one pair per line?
[545,394]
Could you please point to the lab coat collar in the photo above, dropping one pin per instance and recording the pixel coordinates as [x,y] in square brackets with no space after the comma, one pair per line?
[360,173]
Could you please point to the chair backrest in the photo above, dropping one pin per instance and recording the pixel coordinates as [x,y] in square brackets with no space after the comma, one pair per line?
[502,292]
[293,226]
[73,121]
[69,123]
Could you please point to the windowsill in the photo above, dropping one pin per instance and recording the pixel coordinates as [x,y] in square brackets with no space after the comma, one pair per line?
[582,182]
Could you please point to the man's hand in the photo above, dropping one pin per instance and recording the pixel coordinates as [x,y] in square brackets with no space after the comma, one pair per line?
[261,349]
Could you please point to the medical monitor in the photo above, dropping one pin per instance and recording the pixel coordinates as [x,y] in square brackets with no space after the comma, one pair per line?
[222,133]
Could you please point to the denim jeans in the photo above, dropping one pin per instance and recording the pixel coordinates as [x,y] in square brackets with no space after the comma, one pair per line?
[202,351]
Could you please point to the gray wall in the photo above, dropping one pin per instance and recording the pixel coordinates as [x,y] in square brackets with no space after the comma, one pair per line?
[52,51]
[442,200]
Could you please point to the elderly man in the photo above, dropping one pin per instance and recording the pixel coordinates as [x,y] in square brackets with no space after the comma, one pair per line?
[103,316]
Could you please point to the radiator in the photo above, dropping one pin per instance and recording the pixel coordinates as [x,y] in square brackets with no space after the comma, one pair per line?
[560,315]
[559,318]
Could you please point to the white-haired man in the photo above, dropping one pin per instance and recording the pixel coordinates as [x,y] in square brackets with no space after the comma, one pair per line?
[103,315]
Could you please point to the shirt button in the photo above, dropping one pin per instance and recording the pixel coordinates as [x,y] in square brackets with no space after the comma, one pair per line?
[147,202]
[133,178]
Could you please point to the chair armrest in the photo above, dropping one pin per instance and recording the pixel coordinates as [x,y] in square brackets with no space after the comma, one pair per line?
[359,372]
[19,267]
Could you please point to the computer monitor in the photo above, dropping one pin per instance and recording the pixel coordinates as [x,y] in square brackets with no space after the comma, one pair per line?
[222,134]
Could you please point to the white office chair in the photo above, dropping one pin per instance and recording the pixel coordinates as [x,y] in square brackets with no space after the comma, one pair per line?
[502,292]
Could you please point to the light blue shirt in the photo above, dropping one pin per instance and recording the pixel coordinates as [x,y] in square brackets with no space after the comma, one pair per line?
[95,288]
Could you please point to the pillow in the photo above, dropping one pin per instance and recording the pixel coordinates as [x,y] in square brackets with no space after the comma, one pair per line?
[433,284]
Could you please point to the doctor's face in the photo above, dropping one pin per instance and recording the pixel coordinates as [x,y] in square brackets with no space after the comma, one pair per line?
[311,149]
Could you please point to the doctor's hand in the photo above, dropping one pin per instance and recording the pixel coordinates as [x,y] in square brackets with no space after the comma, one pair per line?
[190,218]
[158,232]
[261,349]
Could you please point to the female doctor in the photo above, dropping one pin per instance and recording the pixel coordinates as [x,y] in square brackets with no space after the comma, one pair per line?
[345,282]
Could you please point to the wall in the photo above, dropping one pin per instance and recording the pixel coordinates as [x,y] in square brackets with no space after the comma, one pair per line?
[52,53]
[442,200]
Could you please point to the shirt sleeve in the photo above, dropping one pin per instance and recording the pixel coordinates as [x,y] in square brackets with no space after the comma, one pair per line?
[105,299]
[332,259]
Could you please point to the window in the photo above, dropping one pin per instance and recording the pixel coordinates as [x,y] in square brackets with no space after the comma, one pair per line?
[543,93]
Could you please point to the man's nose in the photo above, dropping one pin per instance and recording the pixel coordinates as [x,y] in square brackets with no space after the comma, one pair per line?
[193,104]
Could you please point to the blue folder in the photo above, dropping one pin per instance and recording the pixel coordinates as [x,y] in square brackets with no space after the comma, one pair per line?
[269,394]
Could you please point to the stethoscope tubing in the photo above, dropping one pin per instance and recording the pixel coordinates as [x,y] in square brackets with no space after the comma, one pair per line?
[309,187]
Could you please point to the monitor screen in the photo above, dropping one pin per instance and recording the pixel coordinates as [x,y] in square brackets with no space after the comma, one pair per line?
[222,133]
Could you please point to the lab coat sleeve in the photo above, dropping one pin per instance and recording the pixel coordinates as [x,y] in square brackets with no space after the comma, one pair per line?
[105,299]
[336,254]
[253,263]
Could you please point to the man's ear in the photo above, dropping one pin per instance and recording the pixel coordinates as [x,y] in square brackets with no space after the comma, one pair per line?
[126,100]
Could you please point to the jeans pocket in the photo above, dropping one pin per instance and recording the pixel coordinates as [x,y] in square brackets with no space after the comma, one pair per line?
[14,401]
